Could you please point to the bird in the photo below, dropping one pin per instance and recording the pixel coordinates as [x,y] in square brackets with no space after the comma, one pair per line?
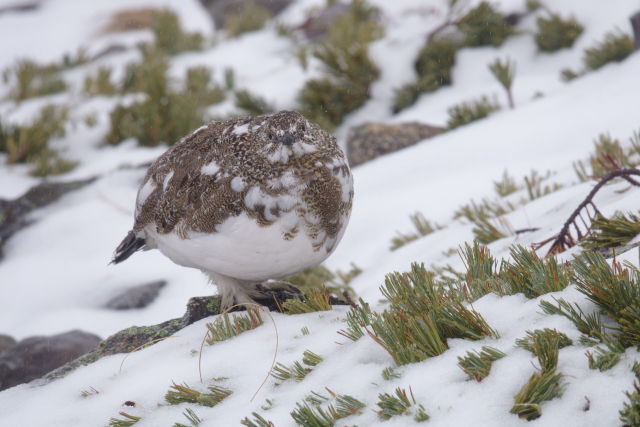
[248,201]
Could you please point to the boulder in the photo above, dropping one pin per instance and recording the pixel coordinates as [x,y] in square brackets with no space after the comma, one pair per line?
[136,297]
[33,357]
[218,9]
[317,24]
[370,140]
[14,213]
[6,341]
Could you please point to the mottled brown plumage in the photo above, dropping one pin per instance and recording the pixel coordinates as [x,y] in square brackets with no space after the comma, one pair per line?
[281,172]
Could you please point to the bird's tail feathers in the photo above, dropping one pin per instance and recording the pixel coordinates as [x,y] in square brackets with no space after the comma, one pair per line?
[130,244]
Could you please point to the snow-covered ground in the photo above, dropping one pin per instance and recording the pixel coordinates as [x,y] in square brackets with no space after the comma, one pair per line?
[55,276]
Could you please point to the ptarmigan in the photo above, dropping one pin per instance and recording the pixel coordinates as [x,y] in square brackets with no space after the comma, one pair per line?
[245,200]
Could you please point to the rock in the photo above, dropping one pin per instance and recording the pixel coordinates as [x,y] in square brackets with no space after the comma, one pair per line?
[370,140]
[5,342]
[13,213]
[35,356]
[137,337]
[218,9]
[315,27]
[137,296]
[635,24]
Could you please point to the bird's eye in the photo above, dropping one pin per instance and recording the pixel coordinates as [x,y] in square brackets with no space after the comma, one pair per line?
[286,139]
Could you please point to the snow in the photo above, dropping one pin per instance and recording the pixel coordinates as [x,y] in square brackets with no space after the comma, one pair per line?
[58,266]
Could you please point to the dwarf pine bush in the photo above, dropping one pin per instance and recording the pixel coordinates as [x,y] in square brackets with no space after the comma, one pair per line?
[467,112]
[252,104]
[30,80]
[422,226]
[612,232]
[477,365]
[30,143]
[166,114]
[248,17]
[433,66]
[484,26]
[615,47]
[349,71]
[100,83]
[554,33]
[169,35]
[400,403]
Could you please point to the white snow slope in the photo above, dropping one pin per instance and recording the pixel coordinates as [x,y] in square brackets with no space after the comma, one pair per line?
[55,276]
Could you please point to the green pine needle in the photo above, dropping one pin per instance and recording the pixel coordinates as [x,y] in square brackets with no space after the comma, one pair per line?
[183,393]
[223,328]
[314,300]
[128,420]
[541,387]
[400,403]
[477,365]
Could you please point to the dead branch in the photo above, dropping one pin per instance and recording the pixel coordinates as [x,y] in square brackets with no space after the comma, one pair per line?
[566,239]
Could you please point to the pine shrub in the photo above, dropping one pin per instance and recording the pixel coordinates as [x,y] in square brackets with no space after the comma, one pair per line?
[31,80]
[30,143]
[615,47]
[433,67]
[554,33]
[484,26]
[247,17]
[169,36]
[349,69]
[467,112]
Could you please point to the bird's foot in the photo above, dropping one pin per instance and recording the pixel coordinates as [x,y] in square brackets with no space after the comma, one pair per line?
[272,293]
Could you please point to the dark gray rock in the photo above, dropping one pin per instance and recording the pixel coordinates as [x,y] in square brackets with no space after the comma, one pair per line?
[35,356]
[635,24]
[218,9]
[137,337]
[370,140]
[6,341]
[315,27]
[137,296]
[14,213]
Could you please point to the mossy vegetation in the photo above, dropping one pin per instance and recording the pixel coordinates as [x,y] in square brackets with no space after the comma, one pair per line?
[349,71]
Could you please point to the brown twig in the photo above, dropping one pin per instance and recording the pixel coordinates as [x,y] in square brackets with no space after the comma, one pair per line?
[564,239]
